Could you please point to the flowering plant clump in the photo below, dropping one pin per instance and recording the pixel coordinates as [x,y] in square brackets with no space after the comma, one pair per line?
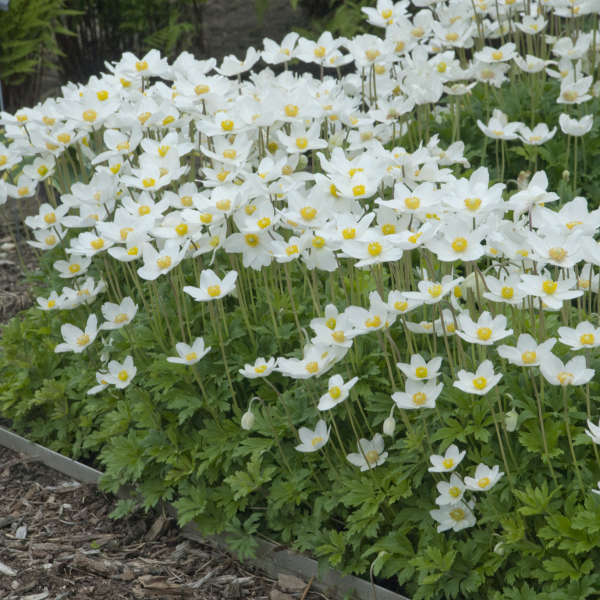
[355,312]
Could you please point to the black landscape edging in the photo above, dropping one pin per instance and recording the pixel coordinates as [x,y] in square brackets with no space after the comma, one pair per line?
[273,559]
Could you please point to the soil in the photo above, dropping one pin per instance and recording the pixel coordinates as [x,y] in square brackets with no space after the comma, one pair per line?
[57,542]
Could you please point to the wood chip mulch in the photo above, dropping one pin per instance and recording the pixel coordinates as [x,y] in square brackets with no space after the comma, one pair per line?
[57,542]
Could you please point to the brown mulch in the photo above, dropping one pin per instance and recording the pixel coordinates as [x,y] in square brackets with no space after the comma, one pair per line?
[57,542]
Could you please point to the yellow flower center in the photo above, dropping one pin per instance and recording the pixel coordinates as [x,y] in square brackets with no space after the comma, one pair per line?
[260,369]
[374,248]
[214,290]
[222,175]
[301,143]
[372,456]
[201,89]
[507,292]
[148,182]
[457,514]
[388,229]
[316,440]
[168,120]
[319,51]
[459,244]
[308,213]
[484,333]
[318,241]
[312,366]
[181,229]
[143,117]
[358,190]
[23,191]
[163,150]
[373,322]
[50,218]
[399,47]
[479,383]
[570,95]
[421,372]
[483,482]
[74,268]
[97,243]
[497,55]
[372,54]
[191,356]
[417,32]
[448,463]
[141,65]
[42,170]
[272,147]
[164,262]
[121,318]
[51,303]
[331,323]
[549,286]
[50,240]
[338,336]
[206,218]
[472,203]
[435,290]
[133,251]
[227,125]
[587,339]
[223,204]
[441,67]
[335,392]
[454,491]
[400,306]
[123,375]
[82,340]
[412,202]
[529,357]
[89,115]
[251,239]
[452,36]
[333,191]
[291,250]
[349,233]
[291,110]
[419,398]
[63,138]
[571,224]
[557,254]
[102,95]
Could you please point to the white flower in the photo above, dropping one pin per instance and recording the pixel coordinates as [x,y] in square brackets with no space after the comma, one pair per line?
[211,287]
[450,493]
[370,453]
[480,382]
[311,441]
[189,355]
[486,331]
[484,479]
[576,127]
[419,369]
[453,516]
[418,394]
[337,392]
[572,373]
[448,462]
[120,374]
[260,368]
[585,335]
[594,432]
[118,315]
[77,340]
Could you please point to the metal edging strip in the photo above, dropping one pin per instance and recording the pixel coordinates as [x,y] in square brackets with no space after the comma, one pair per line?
[274,559]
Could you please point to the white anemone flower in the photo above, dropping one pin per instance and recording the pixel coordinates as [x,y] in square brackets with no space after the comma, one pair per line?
[454,516]
[77,340]
[311,441]
[573,372]
[486,331]
[419,369]
[583,336]
[120,374]
[189,355]
[484,479]
[418,394]
[450,493]
[337,392]
[211,286]
[575,127]
[593,431]
[118,315]
[528,352]
[447,462]
[480,382]
[260,368]
[370,453]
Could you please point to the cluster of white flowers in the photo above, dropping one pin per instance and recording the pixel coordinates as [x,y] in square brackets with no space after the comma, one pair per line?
[191,159]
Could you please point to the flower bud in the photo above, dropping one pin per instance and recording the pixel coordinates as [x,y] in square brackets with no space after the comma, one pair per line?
[389,425]
[566,175]
[499,548]
[302,162]
[247,421]
[510,420]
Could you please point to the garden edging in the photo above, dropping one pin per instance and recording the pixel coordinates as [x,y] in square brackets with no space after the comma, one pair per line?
[271,558]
